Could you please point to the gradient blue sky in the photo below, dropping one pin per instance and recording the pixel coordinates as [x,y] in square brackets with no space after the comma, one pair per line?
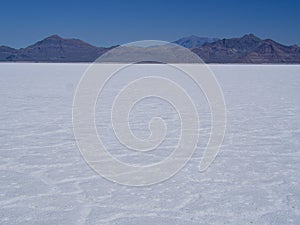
[105,23]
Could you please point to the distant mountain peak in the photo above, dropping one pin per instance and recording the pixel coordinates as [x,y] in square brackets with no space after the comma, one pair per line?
[194,41]
[55,36]
[54,49]
[193,36]
[250,37]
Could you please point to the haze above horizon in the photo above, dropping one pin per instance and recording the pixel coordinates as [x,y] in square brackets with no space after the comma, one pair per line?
[104,23]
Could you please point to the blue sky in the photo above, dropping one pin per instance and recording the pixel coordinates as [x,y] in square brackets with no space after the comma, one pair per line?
[105,23]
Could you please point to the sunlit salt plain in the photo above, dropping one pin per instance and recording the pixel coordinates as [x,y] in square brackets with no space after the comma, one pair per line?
[254,180]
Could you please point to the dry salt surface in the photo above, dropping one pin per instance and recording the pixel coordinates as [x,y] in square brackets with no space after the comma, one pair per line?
[254,180]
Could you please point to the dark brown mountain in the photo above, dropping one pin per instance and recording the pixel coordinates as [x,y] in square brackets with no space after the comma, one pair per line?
[55,49]
[248,49]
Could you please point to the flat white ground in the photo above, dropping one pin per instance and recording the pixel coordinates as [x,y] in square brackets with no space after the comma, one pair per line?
[254,180]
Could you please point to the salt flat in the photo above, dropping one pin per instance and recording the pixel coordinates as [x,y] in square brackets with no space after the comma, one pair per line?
[254,180]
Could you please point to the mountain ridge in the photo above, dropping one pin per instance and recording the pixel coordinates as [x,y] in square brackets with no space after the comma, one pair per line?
[248,49]
[194,41]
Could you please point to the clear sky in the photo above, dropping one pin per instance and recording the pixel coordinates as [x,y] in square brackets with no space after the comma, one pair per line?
[111,22]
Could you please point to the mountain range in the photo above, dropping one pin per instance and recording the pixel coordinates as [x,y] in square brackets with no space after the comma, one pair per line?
[194,41]
[246,49]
